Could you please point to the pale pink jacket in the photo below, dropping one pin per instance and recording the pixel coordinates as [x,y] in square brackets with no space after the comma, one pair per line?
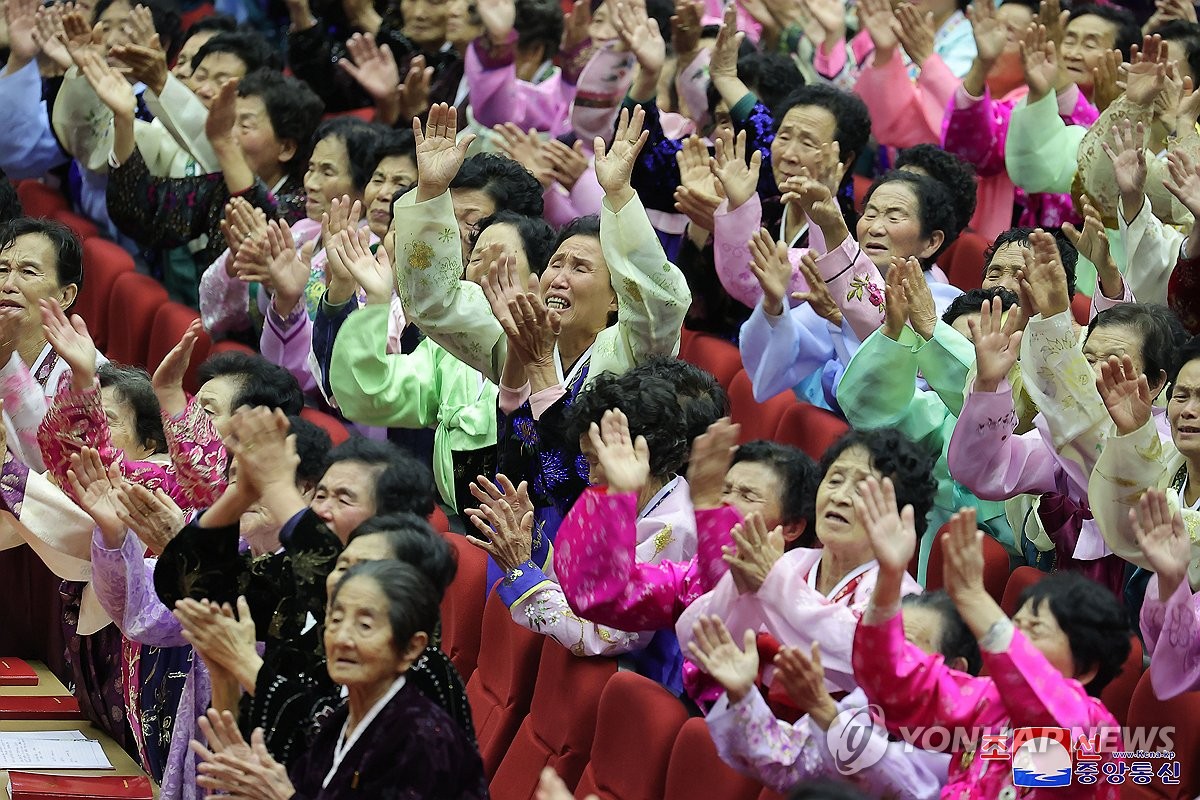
[498,95]
[1171,630]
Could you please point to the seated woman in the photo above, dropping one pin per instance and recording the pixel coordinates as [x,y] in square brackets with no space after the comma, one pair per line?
[1056,458]
[389,738]
[808,595]
[750,739]
[1047,665]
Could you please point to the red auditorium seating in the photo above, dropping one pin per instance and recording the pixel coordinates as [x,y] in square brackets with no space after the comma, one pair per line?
[717,356]
[462,608]
[1020,578]
[1118,694]
[1081,307]
[697,771]
[963,261]
[770,794]
[135,300]
[995,565]
[437,520]
[40,200]
[810,428]
[1180,714]
[84,228]
[629,759]
[758,420]
[229,345]
[103,263]
[330,424]
[170,323]
[561,724]
[502,686]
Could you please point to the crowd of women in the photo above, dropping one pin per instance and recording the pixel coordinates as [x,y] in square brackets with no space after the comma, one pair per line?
[475,232]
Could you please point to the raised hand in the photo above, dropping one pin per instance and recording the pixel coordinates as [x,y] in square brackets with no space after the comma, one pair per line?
[167,380]
[755,553]
[641,35]
[532,328]
[614,165]
[1044,277]
[1163,539]
[498,18]
[686,28]
[1126,394]
[108,84]
[289,270]
[576,24]
[71,340]
[881,25]
[922,313]
[1039,55]
[1051,17]
[342,215]
[891,530]
[818,295]
[491,493]
[830,16]
[803,678]
[624,460]
[1106,80]
[440,153]
[78,36]
[1183,180]
[49,36]
[1092,244]
[509,535]
[147,62]
[266,453]
[1129,162]
[915,32]
[712,455]
[714,651]
[816,200]
[226,638]
[242,223]
[991,35]
[567,164]
[371,271]
[413,94]
[1146,76]
[526,148]
[95,487]
[152,516]
[963,567]
[772,268]
[738,178]
[372,66]
[222,113]
[895,301]
[21,18]
[699,207]
[997,344]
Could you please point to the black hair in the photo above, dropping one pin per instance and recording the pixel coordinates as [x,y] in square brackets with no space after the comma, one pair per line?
[537,236]
[852,121]
[1128,31]
[1162,334]
[668,401]
[825,789]
[10,202]
[1179,30]
[412,540]
[580,226]
[956,639]
[166,19]
[1067,253]
[539,22]
[770,76]
[312,447]
[1033,5]
[970,302]
[260,383]
[294,110]
[132,386]
[412,599]
[894,456]
[359,138]
[507,183]
[660,12]
[253,50]
[68,249]
[404,484]
[1188,352]
[1094,621]
[935,206]
[797,478]
[218,23]
[393,142]
[954,173]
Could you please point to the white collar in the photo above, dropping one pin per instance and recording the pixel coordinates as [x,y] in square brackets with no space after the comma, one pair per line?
[346,743]
[849,576]
[659,496]
[565,381]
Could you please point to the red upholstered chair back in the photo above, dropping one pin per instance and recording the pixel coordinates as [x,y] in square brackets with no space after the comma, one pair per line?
[717,356]
[103,263]
[1179,713]
[1021,577]
[229,345]
[1081,307]
[135,300]
[811,429]
[40,200]
[501,688]
[995,565]
[561,724]
[82,227]
[170,323]
[963,261]
[462,607]
[630,754]
[697,771]
[1119,693]
[758,420]
[330,424]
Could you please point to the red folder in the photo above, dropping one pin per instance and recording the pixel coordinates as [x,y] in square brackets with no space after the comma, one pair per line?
[40,707]
[32,786]
[15,672]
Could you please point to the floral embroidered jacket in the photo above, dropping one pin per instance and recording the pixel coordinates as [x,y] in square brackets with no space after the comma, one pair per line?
[198,455]
[1171,630]
[916,690]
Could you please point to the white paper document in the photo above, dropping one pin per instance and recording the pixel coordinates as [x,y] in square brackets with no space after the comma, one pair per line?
[52,754]
[57,735]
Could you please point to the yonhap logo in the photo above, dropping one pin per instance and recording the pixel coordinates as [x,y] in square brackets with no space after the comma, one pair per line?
[853,741]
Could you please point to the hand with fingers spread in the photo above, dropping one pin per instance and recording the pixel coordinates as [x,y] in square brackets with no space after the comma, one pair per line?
[829,16]
[371,271]
[49,36]
[991,34]
[738,177]
[532,328]
[755,552]
[1092,244]
[818,295]
[567,164]
[147,62]
[818,204]
[492,493]
[289,270]
[1163,539]
[509,536]
[804,679]
[259,438]
[997,343]
[95,488]
[895,302]
[915,32]
[1044,276]
[108,84]
[373,67]
[440,153]
[527,149]
[879,20]
[343,215]
[78,36]
[922,312]
[252,775]
[722,65]
[1146,76]
[1126,394]
[891,530]
[1039,55]
[71,340]
[222,635]
[712,455]
[153,516]
[1051,17]
[773,269]
[1183,180]
[614,164]
[1129,165]
[714,651]
[220,730]
[412,96]
[20,17]
[623,461]
[1106,80]
[642,37]
[693,161]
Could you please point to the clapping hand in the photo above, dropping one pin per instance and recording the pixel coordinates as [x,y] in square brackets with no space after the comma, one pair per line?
[714,651]
[1126,394]
[440,152]
[71,340]
[614,165]
[804,679]
[95,487]
[1163,539]
[152,516]
[509,532]
[755,553]
[891,530]
[915,32]
[773,269]
[712,455]
[738,178]
[1044,278]
[1039,55]
[624,460]
[997,344]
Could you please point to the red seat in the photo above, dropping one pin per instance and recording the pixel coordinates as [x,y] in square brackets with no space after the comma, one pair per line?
[170,324]
[1081,307]
[686,338]
[1178,715]
[629,762]
[40,200]
[231,346]
[811,429]
[717,356]
[770,794]
[758,420]
[963,261]
[462,607]
[328,423]
[438,521]
[995,565]
[502,686]
[1021,577]
[1119,692]
[561,724]
[697,771]
[365,114]
[135,301]
[83,228]
[103,263]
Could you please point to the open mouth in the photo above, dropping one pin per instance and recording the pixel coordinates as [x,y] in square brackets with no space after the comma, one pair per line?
[557,303]
[834,516]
